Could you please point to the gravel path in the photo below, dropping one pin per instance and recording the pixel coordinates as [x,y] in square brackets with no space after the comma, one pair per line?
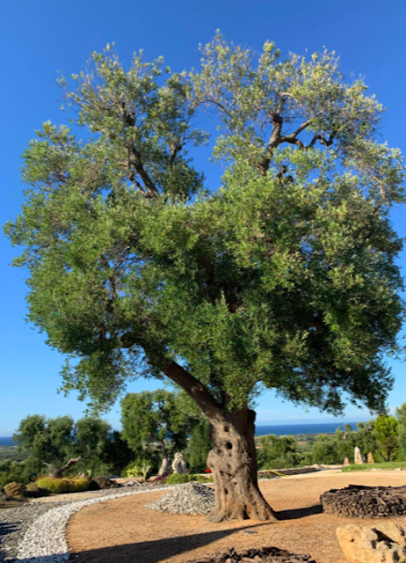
[37,529]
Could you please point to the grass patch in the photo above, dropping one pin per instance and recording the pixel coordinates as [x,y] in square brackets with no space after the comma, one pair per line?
[369,466]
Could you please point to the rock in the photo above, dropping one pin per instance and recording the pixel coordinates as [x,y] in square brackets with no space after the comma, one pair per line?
[14,489]
[347,461]
[192,498]
[102,483]
[358,459]
[384,543]
[371,458]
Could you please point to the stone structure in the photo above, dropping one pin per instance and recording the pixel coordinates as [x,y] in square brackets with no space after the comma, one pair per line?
[357,501]
[358,459]
[178,465]
[384,543]
[371,458]
[255,555]
[347,461]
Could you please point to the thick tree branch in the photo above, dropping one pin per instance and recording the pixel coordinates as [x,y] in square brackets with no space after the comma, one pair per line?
[194,388]
[59,472]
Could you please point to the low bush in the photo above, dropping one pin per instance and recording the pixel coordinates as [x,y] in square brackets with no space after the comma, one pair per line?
[33,491]
[60,486]
[177,479]
[201,479]
[14,489]
[370,466]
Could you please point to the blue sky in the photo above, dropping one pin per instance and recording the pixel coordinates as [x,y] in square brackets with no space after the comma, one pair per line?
[40,37]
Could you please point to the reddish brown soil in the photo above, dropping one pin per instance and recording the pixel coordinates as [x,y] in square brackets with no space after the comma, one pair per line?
[123,531]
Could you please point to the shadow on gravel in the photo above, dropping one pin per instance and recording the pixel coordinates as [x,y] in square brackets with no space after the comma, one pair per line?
[6,528]
[147,552]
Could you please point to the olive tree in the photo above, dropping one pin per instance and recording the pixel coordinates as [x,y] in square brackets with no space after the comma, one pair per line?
[284,278]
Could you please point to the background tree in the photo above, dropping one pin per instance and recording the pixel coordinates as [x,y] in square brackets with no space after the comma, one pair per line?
[48,442]
[198,447]
[59,443]
[401,417]
[155,418]
[363,437]
[387,438]
[117,453]
[285,278]
[324,451]
[277,452]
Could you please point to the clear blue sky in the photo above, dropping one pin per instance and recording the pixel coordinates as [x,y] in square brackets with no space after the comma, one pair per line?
[39,37]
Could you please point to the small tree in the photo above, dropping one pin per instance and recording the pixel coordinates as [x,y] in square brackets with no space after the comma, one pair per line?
[324,450]
[155,419]
[285,278]
[386,430]
[277,452]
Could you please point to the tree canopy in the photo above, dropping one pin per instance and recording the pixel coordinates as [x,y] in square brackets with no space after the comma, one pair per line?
[59,443]
[284,278]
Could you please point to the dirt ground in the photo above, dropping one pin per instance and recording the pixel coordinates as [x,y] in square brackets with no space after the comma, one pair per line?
[123,531]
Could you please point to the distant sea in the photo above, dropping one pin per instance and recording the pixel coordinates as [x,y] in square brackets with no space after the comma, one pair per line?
[7,441]
[279,430]
[291,429]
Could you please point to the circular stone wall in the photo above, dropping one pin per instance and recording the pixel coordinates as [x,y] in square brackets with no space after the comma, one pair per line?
[357,501]
[262,555]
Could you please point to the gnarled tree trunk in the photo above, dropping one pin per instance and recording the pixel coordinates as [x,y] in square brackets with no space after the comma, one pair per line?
[233,464]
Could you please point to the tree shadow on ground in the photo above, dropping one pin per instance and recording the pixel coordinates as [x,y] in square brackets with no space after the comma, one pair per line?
[149,551]
[296,513]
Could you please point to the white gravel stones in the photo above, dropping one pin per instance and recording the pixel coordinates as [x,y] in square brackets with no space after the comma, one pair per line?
[193,499]
[46,537]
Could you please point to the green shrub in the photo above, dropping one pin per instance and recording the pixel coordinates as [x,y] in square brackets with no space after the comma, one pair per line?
[201,479]
[137,469]
[79,484]
[33,491]
[15,489]
[60,486]
[177,478]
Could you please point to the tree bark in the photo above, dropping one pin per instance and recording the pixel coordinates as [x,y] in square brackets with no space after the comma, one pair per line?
[234,466]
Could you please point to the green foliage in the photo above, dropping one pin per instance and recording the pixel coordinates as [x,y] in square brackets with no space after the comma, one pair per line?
[13,471]
[401,417]
[11,453]
[277,452]
[54,441]
[201,478]
[33,491]
[363,437]
[286,276]
[154,419]
[370,466]
[198,447]
[324,451]
[117,454]
[177,479]
[386,432]
[138,469]
[61,486]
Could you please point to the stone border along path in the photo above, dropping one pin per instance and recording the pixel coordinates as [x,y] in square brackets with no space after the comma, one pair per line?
[46,537]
